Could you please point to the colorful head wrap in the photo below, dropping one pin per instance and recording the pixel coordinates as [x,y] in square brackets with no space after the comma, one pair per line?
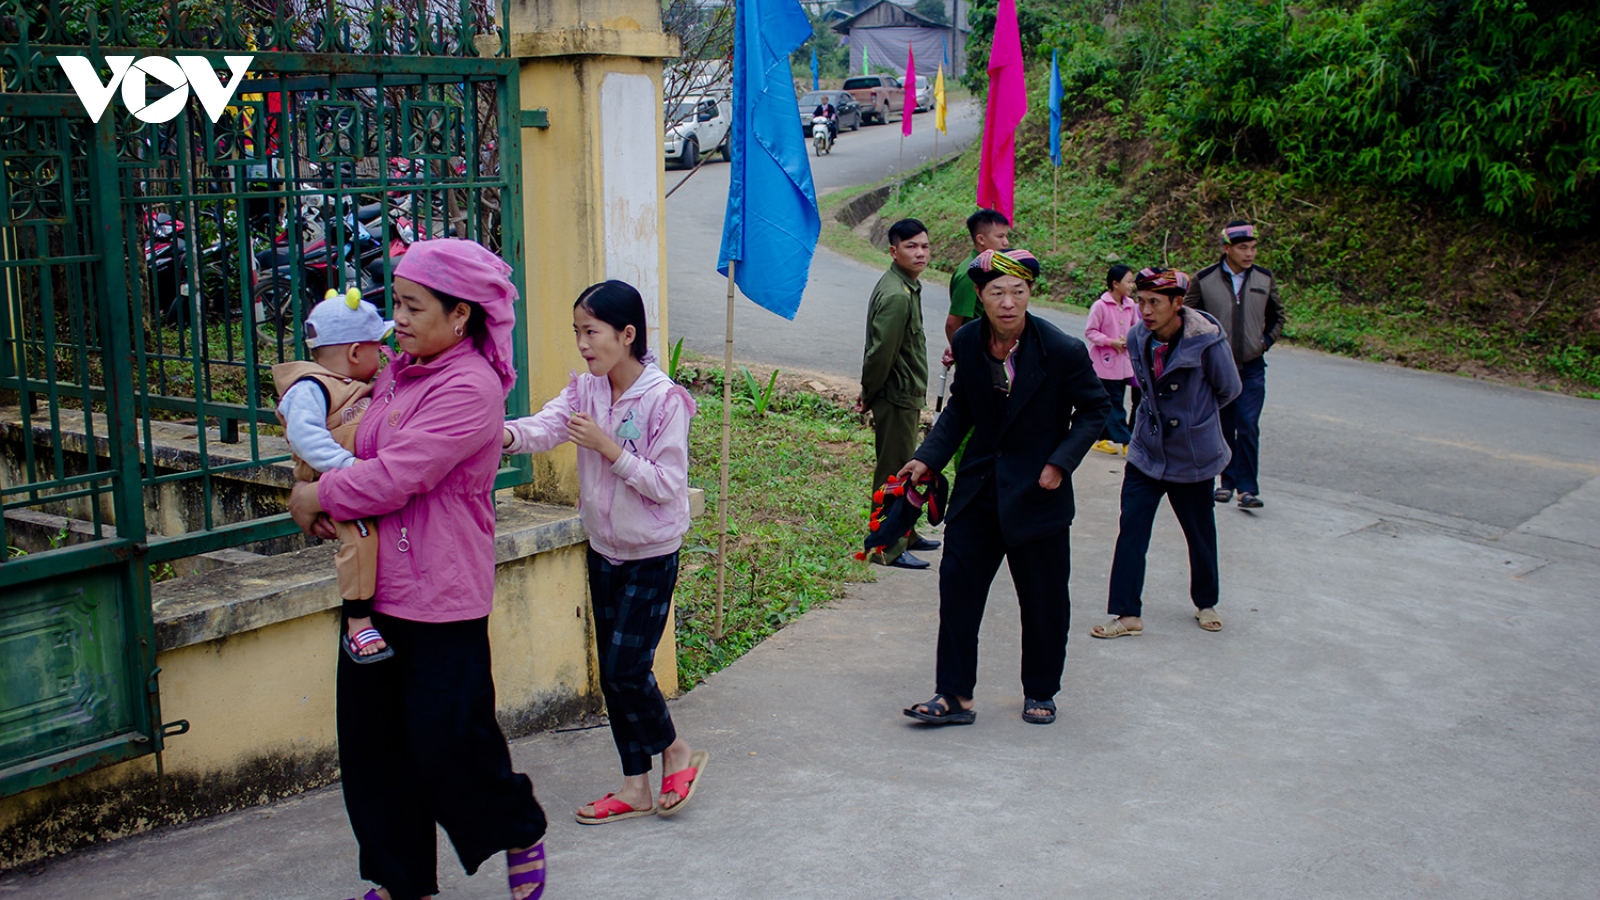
[1162,281]
[467,271]
[1235,234]
[992,264]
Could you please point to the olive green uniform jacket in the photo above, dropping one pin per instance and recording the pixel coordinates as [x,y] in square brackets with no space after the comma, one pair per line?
[894,366]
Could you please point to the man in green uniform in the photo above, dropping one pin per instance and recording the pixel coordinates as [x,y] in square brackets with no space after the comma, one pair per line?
[894,369]
[990,231]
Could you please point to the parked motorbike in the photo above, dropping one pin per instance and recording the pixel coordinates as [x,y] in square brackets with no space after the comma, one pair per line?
[358,261]
[821,135]
[167,257]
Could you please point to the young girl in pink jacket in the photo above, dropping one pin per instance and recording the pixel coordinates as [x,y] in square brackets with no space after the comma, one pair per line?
[1107,331]
[631,425]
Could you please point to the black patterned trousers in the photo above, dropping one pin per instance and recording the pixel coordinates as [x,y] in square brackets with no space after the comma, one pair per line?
[632,600]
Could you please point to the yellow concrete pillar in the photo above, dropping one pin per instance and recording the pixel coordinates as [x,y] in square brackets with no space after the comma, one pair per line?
[592,181]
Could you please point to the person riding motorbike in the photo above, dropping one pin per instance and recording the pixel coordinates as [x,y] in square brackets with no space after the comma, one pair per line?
[826,109]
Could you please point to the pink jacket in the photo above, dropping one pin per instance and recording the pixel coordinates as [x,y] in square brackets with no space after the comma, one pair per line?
[1110,321]
[638,506]
[429,448]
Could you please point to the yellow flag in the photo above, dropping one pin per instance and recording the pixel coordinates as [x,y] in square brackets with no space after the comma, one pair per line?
[938,100]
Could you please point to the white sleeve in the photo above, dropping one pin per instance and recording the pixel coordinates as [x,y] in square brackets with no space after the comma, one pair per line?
[304,408]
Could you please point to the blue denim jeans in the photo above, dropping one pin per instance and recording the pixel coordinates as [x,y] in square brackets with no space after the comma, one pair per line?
[1241,427]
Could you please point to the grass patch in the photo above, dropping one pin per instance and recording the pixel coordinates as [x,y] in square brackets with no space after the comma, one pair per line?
[792,525]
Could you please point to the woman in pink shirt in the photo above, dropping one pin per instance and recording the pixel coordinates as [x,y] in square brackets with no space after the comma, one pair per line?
[418,740]
[1107,331]
[631,425]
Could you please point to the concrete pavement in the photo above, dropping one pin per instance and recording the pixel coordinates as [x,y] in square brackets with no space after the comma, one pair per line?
[1400,704]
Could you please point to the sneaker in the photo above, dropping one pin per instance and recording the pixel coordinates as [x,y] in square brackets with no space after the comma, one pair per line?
[1248,500]
[1106,447]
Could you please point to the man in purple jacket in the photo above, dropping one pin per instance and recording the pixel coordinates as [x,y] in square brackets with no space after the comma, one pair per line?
[1185,370]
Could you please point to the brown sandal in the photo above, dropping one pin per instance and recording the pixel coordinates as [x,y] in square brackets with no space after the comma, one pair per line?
[1115,629]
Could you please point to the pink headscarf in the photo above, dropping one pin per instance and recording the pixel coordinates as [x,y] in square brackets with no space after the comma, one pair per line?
[468,271]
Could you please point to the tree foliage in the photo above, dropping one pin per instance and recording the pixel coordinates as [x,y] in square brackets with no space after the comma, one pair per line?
[1032,18]
[932,9]
[1491,105]
[833,56]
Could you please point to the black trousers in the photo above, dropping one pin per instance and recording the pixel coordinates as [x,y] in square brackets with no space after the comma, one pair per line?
[973,549]
[632,600]
[1196,510]
[894,440]
[419,744]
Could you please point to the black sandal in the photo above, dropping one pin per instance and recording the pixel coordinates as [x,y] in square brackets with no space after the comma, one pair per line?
[942,710]
[1034,718]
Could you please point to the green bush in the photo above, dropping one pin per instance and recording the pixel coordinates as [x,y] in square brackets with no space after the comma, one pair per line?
[1483,104]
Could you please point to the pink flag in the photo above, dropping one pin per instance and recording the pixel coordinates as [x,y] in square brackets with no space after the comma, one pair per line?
[1008,103]
[910,101]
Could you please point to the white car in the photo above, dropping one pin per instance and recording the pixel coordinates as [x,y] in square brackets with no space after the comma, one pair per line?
[698,125]
[924,93]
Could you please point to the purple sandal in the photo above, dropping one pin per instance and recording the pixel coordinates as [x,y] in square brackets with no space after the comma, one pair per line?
[371,895]
[532,876]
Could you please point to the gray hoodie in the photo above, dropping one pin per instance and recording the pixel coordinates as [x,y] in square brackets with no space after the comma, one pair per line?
[1177,433]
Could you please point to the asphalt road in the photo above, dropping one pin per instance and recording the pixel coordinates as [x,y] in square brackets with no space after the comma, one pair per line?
[1469,450]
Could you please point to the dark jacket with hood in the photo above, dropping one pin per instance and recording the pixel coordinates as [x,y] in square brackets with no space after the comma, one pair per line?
[1177,434]
[1053,414]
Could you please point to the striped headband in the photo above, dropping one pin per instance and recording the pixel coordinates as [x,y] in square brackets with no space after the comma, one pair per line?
[1236,233]
[1162,281]
[991,264]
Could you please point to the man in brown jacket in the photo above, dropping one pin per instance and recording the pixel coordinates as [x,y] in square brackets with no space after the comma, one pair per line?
[1243,297]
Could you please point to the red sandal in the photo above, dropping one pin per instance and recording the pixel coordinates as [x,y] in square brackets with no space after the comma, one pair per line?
[683,783]
[610,809]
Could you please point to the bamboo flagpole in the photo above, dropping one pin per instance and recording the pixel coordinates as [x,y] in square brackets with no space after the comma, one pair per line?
[727,431]
[775,180]
[1055,209]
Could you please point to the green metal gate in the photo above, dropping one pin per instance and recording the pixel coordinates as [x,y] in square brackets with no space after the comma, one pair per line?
[152,272]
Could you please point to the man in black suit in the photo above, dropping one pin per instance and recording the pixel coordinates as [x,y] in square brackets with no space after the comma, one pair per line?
[1030,398]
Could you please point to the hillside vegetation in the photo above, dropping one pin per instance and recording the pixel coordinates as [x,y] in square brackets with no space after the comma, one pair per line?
[1424,171]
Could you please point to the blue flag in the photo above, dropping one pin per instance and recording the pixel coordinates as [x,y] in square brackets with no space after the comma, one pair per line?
[1056,94]
[771,225]
[814,82]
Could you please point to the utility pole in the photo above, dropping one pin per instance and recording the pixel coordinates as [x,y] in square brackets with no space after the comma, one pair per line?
[955,38]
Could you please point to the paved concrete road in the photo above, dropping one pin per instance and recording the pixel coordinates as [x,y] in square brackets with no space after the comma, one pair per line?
[1397,707]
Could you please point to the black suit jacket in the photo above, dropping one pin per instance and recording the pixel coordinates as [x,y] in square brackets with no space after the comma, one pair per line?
[1054,415]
